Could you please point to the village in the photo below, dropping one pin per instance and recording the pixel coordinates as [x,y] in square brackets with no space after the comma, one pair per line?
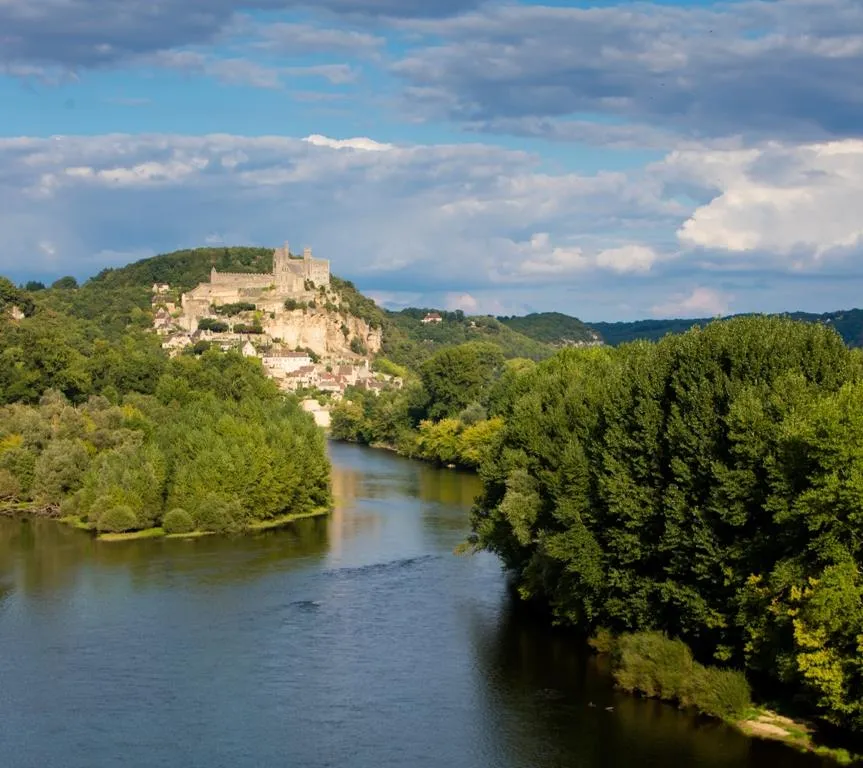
[289,319]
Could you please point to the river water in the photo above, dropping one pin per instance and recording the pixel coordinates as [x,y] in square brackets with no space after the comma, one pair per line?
[358,640]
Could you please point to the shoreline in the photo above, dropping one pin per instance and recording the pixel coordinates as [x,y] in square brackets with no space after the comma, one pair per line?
[29,510]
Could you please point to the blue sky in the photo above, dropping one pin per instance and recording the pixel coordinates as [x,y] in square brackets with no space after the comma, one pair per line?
[610,160]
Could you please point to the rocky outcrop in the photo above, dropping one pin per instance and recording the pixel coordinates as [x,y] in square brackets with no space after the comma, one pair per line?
[327,333]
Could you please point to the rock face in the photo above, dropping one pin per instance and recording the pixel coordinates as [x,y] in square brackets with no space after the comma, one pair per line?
[328,334]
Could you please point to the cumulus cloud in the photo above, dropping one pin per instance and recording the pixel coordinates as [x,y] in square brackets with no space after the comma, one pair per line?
[627,258]
[759,69]
[448,217]
[700,302]
[801,202]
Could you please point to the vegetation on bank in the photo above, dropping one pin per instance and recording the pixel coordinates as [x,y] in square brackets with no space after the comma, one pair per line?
[189,457]
[707,486]
[653,665]
[447,414]
[99,426]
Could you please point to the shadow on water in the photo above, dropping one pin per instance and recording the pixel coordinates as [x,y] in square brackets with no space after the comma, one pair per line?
[562,708]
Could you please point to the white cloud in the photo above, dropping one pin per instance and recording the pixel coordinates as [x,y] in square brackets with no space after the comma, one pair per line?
[801,202]
[627,258]
[700,302]
[462,301]
[362,142]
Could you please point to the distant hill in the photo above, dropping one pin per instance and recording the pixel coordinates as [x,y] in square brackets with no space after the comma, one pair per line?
[409,341]
[552,328]
[848,323]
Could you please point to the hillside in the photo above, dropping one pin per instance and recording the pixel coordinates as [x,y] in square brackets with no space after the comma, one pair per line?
[406,341]
[553,328]
[848,323]
[185,269]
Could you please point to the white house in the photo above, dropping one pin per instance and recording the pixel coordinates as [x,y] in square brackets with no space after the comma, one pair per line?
[287,362]
[432,317]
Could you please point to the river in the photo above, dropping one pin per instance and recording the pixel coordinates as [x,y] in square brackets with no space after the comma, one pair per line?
[354,641]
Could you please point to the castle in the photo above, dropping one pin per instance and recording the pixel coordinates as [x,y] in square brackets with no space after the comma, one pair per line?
[291,278]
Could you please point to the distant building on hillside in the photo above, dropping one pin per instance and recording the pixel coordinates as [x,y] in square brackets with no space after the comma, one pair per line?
[432,317]
[287,362]
[291,278]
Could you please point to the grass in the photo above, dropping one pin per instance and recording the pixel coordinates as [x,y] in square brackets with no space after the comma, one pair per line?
[278,522]
[156,533]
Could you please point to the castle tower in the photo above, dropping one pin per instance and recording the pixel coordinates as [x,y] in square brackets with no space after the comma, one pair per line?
[281,266]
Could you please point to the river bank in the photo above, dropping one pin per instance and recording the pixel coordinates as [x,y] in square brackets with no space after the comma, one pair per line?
[50,513]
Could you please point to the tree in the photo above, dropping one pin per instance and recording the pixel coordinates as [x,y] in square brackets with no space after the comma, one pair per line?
[65,283]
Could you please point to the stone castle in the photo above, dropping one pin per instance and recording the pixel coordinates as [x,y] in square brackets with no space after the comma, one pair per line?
[292,277]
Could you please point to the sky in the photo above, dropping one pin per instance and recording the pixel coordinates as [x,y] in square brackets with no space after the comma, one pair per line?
[610,160]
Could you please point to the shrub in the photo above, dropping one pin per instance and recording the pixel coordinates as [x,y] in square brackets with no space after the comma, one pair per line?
[219,515]
[10,488]
[656,666]
[722,693]
[210,324]
[357,346]
[178,521]
[117,520]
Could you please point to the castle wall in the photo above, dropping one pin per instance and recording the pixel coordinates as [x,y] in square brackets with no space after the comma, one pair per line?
[252,280]
[319,271]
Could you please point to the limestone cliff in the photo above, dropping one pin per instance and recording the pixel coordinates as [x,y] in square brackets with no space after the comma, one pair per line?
[327,333]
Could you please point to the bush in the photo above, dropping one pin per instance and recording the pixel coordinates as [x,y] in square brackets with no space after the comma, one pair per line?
[10,488]
[656,666]
[117,520]
[211,324]
[178,521]
[219,515]
[722,693]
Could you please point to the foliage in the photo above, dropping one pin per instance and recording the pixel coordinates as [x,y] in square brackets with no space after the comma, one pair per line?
[254,328]
[848,323]
[708,486]
[67,283]
[552,328]
[94,418]
[10,297]
[117,519]
[183,270]
[211,324]
[408,342]
[234,309]
[178,521]
[357,346]
[652,664]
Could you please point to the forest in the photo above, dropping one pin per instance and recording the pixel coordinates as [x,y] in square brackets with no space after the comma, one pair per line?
[99,427]
[708,486]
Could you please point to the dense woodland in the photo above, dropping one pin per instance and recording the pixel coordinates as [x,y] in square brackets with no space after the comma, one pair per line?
[709,486]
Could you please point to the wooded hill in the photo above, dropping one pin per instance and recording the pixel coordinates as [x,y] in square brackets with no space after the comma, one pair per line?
[407,341]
